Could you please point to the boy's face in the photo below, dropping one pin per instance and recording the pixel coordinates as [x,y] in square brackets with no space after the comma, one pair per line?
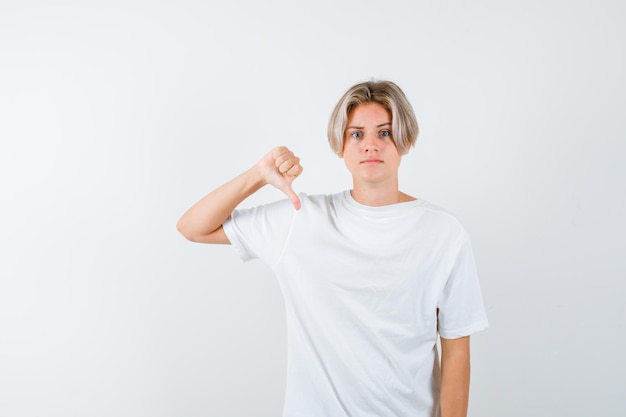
[369,151]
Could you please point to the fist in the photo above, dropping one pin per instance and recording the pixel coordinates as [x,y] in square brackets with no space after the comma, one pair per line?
[279,168]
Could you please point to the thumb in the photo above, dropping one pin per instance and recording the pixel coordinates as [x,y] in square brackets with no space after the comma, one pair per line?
[295,200]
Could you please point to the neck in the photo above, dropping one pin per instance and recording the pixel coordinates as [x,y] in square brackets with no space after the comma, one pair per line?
[383,195]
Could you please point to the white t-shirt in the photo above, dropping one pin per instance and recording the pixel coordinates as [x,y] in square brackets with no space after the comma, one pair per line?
[362,288]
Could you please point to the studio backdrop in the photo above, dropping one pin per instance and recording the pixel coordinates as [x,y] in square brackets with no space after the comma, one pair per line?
[117,116]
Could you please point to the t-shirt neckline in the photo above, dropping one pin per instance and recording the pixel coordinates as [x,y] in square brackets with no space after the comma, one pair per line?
[380,210]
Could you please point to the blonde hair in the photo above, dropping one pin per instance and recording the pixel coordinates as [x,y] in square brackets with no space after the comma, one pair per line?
[404,128]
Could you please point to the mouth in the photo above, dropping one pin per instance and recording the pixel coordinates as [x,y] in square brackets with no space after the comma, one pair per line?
[372,161]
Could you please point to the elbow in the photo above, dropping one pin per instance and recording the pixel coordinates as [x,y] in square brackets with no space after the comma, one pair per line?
[184,230]
[194,234]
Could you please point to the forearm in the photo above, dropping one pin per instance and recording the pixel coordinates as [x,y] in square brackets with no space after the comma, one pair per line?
[455,377]
[203,221]
[208,214]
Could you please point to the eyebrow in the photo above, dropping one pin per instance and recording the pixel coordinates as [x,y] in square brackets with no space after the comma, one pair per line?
[360,127]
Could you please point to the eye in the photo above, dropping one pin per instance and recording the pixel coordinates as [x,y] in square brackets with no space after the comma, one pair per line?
[385,133]
[357,135]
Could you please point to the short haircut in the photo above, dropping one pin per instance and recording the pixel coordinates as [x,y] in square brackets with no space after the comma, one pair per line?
[404,127]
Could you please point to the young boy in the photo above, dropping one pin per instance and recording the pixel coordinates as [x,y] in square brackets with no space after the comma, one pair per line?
[371,277]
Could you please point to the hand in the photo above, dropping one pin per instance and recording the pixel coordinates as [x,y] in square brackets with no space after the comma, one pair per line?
[279,168]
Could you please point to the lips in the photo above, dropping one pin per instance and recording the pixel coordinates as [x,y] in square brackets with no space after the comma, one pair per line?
[372,161]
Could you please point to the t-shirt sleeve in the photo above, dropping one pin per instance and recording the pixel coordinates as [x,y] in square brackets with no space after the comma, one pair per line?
[260,232]
[461,308]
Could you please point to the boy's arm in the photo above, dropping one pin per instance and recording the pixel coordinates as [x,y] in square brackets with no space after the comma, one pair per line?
[455,376]
[203,221]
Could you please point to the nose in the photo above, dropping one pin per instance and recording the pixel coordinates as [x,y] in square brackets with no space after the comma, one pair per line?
[370,143]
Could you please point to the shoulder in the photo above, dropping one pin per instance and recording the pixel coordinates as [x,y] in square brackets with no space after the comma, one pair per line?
[318,201]
[275,212]
[443,219]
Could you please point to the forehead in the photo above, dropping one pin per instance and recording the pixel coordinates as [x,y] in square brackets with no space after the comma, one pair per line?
[370,113]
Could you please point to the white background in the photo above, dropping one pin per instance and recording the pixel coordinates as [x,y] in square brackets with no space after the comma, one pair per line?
[116,116]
